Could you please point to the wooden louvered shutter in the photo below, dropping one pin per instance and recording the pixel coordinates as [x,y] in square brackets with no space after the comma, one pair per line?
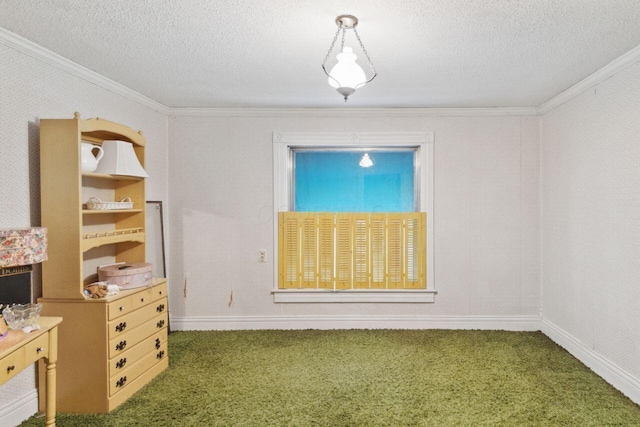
[378,250]
[343,251]
[415,250]
[325,250]
[309,253]
[361,262]
[395,249]
[289,253]
[352,251]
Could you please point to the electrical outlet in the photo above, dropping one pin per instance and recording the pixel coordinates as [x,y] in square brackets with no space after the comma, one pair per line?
[262,255]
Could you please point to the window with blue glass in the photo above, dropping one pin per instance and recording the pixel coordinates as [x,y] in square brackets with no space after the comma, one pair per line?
[354,180]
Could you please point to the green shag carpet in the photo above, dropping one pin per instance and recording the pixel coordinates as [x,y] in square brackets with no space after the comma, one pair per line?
[368,378]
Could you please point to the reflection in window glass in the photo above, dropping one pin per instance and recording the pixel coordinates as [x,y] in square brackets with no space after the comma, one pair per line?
[346,181]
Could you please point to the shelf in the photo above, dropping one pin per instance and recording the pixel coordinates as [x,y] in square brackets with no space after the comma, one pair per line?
[100,130]
[112,177]
[64,189]
[109,211]
[94,242]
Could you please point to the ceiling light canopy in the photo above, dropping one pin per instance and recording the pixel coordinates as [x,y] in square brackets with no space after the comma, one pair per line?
[347,76]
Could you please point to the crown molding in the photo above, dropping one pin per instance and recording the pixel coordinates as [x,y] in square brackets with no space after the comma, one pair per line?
[594,79]
[352,112]
[36,51]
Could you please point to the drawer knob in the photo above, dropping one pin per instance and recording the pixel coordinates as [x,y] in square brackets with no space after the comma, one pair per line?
[121,327]
[141,299]
[120,363]
[120,346]
[160,323]
[121,308]
[12,367]
[157,343]
[160,308]
[160,354]
[160,292]
[122,381]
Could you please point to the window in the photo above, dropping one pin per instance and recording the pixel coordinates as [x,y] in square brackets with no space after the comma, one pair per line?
[340,224]
[354,180]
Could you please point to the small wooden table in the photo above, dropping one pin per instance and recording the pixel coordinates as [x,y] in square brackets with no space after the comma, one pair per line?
[19,350]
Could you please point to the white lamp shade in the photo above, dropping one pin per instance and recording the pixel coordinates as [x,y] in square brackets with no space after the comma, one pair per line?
[120,159]
[347,73]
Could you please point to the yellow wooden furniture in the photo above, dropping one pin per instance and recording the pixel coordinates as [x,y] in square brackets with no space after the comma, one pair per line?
[109,347]
[319,250]
[19,350]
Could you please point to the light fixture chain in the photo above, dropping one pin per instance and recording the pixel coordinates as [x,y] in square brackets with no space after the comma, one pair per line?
[331,48]
[342,45]
[365,52]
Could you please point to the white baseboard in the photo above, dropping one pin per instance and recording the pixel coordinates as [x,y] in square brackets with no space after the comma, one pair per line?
[612,373]
[19,410]
[509,323]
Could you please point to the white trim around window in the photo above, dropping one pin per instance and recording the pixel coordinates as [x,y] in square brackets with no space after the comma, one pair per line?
[283,141]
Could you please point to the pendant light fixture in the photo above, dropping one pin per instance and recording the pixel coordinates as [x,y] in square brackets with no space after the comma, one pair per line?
[347,76]
[366,161]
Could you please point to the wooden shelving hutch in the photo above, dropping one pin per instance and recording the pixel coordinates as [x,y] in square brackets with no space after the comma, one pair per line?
[110,347]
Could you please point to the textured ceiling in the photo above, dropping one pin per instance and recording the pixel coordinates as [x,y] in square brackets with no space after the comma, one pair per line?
[267,53]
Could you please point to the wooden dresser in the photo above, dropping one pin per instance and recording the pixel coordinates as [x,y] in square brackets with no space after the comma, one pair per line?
[109,347]
[116,346]
[19,350]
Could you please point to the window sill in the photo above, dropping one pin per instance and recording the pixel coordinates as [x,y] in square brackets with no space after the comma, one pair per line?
[364,295]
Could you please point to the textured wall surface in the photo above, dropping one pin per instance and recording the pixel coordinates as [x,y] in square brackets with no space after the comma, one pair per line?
[591,218]
[486,214]
[30,90]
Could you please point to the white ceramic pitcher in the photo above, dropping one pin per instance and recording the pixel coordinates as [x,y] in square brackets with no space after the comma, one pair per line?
[89,161]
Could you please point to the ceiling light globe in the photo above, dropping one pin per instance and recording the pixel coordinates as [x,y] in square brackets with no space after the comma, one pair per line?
[347,73]
[366,161]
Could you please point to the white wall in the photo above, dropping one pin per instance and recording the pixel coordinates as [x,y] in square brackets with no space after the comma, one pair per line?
[221,186]
[29,90]
[590,218]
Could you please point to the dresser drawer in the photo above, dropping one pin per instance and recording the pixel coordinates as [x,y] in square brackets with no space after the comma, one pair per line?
[12,364]
[124,360]
[150,295]
[120,381]
[120,307]
[126,323]
[36,349]
[137,299]
[130,338]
